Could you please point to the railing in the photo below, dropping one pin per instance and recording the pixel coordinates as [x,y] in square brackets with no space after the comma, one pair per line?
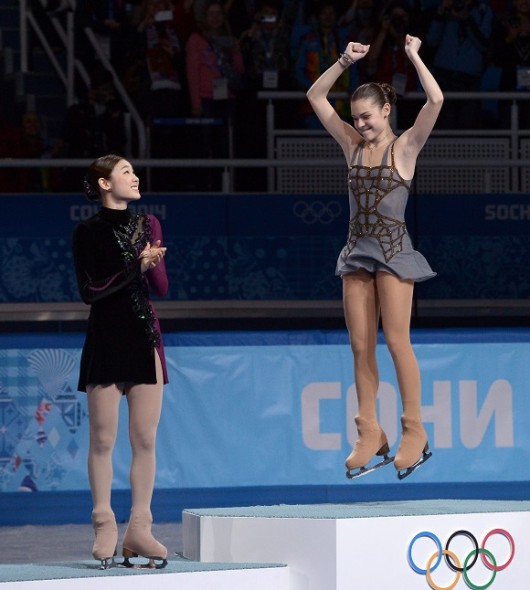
[516,161]
[229,165]
[66,35]
[514,133]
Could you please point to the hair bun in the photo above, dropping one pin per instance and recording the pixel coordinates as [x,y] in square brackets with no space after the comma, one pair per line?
[390,92]
[91,192]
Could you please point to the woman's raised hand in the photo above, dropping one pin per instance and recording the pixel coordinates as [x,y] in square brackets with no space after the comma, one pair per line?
[412,45]
[355,51]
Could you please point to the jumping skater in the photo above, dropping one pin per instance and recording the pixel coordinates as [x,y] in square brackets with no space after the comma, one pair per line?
[378,264]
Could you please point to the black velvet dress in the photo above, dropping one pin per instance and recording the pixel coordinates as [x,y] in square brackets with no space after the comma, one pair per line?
[123,330]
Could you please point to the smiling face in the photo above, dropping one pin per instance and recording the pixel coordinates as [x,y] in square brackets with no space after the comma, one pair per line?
[369,119]
[122,187]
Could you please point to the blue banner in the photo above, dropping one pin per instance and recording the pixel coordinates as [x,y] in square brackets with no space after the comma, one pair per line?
[272,247]
[271,410]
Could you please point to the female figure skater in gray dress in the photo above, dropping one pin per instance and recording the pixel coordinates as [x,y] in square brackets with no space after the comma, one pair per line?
[378,264]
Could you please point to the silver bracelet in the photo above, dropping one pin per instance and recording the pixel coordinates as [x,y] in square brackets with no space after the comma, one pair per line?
[348,59]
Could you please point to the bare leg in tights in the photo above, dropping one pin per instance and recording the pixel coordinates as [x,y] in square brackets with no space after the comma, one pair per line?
[103,410]
[145,403]
[361,312]
[395,296]
[365,298]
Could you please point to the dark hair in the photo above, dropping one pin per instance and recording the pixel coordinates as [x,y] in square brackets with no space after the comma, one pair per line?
[100,168]
[378,93]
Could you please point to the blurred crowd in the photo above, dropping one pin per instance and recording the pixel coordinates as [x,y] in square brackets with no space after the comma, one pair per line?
[208,59]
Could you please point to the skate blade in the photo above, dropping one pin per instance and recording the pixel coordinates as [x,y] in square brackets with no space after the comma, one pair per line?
[157,563]
[365,470]
[406,472]
[108,563]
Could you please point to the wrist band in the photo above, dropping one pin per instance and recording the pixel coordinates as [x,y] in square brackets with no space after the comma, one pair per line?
[348,59]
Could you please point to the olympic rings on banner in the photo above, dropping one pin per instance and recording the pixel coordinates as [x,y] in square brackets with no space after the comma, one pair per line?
[455,564]
[317,211]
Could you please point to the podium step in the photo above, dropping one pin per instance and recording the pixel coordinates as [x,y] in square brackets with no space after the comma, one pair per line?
[373,546]
[180,573]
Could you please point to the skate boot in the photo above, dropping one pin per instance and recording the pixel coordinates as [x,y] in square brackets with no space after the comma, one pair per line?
[413,450]
[106,541]
[138,541]
[371,441]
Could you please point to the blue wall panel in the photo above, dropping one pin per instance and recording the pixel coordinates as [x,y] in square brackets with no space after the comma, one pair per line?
[270,410]
[266,417]
[254,247]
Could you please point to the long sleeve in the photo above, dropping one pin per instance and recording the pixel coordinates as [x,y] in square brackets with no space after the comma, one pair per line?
[92,286]
[157,277]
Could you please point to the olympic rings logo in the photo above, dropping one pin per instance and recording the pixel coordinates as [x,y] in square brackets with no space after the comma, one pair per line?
[454,563]
[324,213]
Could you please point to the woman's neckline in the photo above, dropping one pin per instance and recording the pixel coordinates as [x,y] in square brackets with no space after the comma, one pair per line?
[110,213]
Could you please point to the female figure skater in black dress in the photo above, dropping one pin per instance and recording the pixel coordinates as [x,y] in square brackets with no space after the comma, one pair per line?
[378,264]
[118,257]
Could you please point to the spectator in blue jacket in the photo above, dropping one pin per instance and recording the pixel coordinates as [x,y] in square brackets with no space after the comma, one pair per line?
[460,38]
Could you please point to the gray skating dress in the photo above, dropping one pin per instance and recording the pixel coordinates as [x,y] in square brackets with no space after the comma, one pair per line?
[378,238]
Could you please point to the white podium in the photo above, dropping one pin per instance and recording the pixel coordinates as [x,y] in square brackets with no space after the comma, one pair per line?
[373,546]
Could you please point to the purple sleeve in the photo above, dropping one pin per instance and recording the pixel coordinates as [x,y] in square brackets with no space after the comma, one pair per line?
[157,277]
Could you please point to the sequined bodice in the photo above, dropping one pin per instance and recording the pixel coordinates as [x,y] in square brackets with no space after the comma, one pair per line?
[132,232]
[378,197]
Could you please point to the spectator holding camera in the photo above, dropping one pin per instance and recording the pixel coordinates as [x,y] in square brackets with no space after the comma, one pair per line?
[511,47]
[387,61]
[511,56]
[362,22]
[460,38]
[266,48]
